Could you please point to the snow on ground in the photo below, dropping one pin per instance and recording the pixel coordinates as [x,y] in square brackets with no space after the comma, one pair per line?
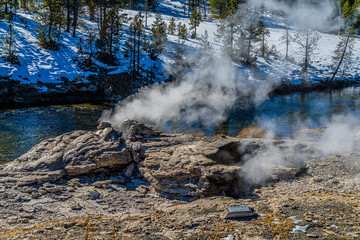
[38,64]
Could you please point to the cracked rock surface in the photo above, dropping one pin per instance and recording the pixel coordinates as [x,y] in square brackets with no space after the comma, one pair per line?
[132,182]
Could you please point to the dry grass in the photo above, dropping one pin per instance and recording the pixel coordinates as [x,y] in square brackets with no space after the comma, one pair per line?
[278,229]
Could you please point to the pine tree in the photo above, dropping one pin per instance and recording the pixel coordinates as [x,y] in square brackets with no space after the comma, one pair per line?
[232,7]
[343,53]
[308,41]
[50,18]
[204,41]
[264,33]
[172,26]
[134,43]
[182,31]
[89,47]
[227,30]
[356,9]
[110,33]
[158,33]
[195,20]
[286,39]
[8,46]
[80,50]
[218,8]
[245,44]
[347,12]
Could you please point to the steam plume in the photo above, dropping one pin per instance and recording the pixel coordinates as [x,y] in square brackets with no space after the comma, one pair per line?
[203,95]
[321,16]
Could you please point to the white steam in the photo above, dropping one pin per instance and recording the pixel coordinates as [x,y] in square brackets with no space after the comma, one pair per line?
[203,95]
[322,16]
[341,136]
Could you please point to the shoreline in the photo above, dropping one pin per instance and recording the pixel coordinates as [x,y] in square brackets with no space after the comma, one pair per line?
[99,95]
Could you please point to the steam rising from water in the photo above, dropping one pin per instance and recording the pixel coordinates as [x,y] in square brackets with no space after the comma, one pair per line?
[322,16]
[203,95]
[341,136]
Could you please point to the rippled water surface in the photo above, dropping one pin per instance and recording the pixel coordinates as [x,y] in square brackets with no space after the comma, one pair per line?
[21,129]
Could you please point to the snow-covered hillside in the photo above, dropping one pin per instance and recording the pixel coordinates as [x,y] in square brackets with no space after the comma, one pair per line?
[38,64]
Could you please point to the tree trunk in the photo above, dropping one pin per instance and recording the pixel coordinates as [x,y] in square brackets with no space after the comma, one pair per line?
[138,52]
[342,57]
[75,13]
[306,52]
[287,44]
[68,16]
[92,8]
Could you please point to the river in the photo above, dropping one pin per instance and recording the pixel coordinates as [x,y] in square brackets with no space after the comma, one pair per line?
[20,129]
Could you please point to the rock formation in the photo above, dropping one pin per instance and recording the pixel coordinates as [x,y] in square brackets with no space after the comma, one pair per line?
[180,166]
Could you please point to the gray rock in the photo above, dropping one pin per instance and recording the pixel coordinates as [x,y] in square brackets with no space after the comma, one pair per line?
[129,170]
[74,153]
[132,128]
[75,206]
[103,125]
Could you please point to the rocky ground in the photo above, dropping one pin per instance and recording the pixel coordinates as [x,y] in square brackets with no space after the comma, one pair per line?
[131,182]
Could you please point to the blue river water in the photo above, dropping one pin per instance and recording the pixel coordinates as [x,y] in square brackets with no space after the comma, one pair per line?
[21,129]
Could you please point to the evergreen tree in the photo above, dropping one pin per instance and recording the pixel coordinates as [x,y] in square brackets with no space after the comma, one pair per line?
[50,18]
[245,44]
[195,20]
[8,46]
[172,26]
[182,31]
[347,12]
[134,43]
[232,7]
[228,29]
[308,41]
[286,39]
[110,32]
[92,9]
[158,33]
[218,8]
[205,44]
[264,33]
[239,33]
[343,53]
[80,50]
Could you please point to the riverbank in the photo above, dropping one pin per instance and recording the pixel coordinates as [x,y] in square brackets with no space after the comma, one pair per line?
[112,88]
[165,186]
[93,89]
[286,88]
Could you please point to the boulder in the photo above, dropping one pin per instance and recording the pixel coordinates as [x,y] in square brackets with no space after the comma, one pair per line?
[75,153]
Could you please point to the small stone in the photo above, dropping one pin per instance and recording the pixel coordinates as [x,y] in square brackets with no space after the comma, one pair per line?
[101,184]
[76,206]
[94,195]
[49,227]
[310,235]
[129,170]
[69,224]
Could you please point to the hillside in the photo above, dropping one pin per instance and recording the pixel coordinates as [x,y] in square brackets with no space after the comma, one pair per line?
[40,65]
